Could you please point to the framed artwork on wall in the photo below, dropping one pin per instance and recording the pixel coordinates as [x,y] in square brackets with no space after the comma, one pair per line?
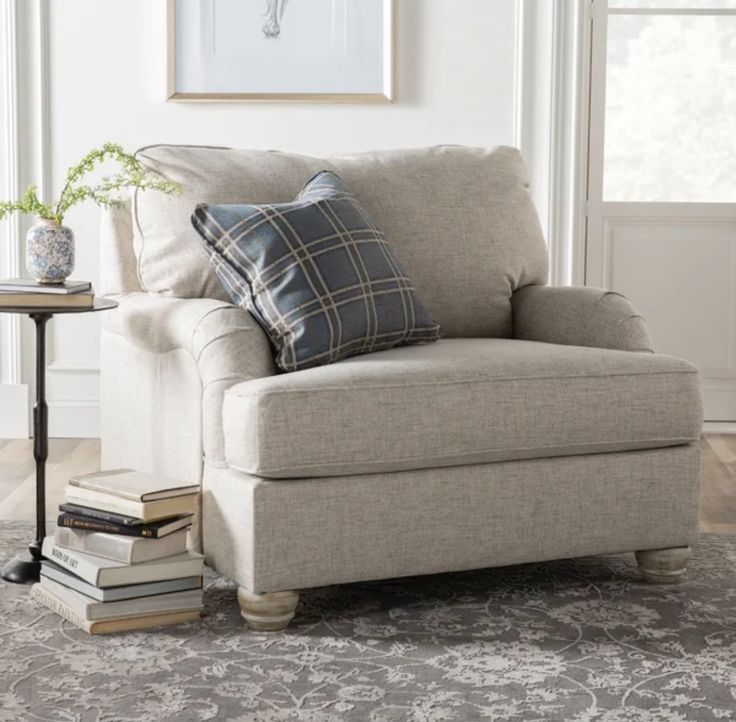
[324,50]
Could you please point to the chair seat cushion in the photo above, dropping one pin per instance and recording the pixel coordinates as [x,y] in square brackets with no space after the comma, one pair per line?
[459,401]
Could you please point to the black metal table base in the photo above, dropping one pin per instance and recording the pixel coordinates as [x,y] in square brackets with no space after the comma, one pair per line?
[23,569]
[27,568]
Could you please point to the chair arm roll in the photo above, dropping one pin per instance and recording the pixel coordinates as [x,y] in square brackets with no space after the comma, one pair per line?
[576,316]
[226,347]
[224,340]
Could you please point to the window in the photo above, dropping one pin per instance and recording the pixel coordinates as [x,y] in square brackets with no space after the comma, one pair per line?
[670,114]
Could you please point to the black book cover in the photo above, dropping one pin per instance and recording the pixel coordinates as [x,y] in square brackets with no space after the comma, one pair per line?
[75,520]
[99,514]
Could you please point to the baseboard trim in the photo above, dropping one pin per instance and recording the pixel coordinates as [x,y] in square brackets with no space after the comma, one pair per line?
[15,416]
[719,427]
[70,419]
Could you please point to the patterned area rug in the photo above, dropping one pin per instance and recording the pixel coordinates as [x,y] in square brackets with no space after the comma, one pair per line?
[580,640]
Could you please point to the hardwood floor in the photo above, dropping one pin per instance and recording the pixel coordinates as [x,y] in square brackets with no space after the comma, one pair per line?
[67,457]
[718,484]
[78,456]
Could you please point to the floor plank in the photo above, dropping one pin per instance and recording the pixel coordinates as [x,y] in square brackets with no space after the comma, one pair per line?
[718,485]
[18,476]
[16,463]
[724,447]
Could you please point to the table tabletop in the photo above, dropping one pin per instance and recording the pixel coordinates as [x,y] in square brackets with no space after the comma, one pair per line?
[100,304]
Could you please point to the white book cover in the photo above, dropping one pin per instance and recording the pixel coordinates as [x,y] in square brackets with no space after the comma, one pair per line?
[92,610]
[56,605]
[29,285]
[115,594]
[144,510]
[133,485]
[109,573]
[120,624]
[127,549]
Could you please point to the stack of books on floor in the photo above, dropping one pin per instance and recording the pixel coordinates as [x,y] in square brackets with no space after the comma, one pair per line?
[26,292]
[119,560]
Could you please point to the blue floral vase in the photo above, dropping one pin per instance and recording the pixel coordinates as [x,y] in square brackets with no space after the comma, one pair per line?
[49,252]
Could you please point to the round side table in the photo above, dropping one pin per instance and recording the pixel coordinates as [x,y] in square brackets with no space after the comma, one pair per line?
[24,569]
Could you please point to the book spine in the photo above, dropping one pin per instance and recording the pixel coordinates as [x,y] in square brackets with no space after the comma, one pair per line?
[108,527]
[129,624]
[58,607]
[82,568]
[100,545]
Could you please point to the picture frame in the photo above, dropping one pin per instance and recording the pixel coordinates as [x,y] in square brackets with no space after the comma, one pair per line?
[230,51]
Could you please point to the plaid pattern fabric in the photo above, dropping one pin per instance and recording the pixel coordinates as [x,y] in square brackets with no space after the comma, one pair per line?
[317,274]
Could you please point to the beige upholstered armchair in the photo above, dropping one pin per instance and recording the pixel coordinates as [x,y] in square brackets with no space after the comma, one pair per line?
[541,426]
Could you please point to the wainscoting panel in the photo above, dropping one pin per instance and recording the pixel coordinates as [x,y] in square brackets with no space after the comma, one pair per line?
[73,398]
[677,264]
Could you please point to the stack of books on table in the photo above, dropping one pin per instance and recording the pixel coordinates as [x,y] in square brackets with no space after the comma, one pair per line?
[118,560]
[26,292]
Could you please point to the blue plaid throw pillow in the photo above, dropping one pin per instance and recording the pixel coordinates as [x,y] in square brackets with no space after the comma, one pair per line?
[317,274]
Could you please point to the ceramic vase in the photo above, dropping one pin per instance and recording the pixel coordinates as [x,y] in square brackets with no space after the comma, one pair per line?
[49,252]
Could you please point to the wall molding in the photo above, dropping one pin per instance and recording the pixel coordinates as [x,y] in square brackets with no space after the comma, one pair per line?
[43,99]
[533,96]
[74,418]
[14,402]
[72,367]
[74,398]
[24,145]
[551,127]
[520,64]
[569,140]
[719,427]
[15,418]
[72,385]
[11,360]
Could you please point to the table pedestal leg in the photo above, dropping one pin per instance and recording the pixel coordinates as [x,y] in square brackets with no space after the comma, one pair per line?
[23,568]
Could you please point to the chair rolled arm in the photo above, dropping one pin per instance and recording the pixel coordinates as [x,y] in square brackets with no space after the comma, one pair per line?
[225,342]
[575,316]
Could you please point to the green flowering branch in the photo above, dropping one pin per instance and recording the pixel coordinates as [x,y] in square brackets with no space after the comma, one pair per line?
[104,193]
[29,204]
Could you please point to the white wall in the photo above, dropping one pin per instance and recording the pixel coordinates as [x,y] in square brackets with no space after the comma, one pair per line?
[455,83]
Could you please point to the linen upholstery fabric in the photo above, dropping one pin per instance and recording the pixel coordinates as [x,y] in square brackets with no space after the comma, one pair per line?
[317,273]
[158,413]
[460,401]
[272,535]
[167,365]
[460,221]
[579,317]
[117,259]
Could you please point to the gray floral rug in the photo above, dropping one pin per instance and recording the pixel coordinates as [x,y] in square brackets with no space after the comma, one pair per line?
[582,640]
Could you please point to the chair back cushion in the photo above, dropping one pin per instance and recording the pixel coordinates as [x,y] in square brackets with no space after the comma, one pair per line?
[459,219]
